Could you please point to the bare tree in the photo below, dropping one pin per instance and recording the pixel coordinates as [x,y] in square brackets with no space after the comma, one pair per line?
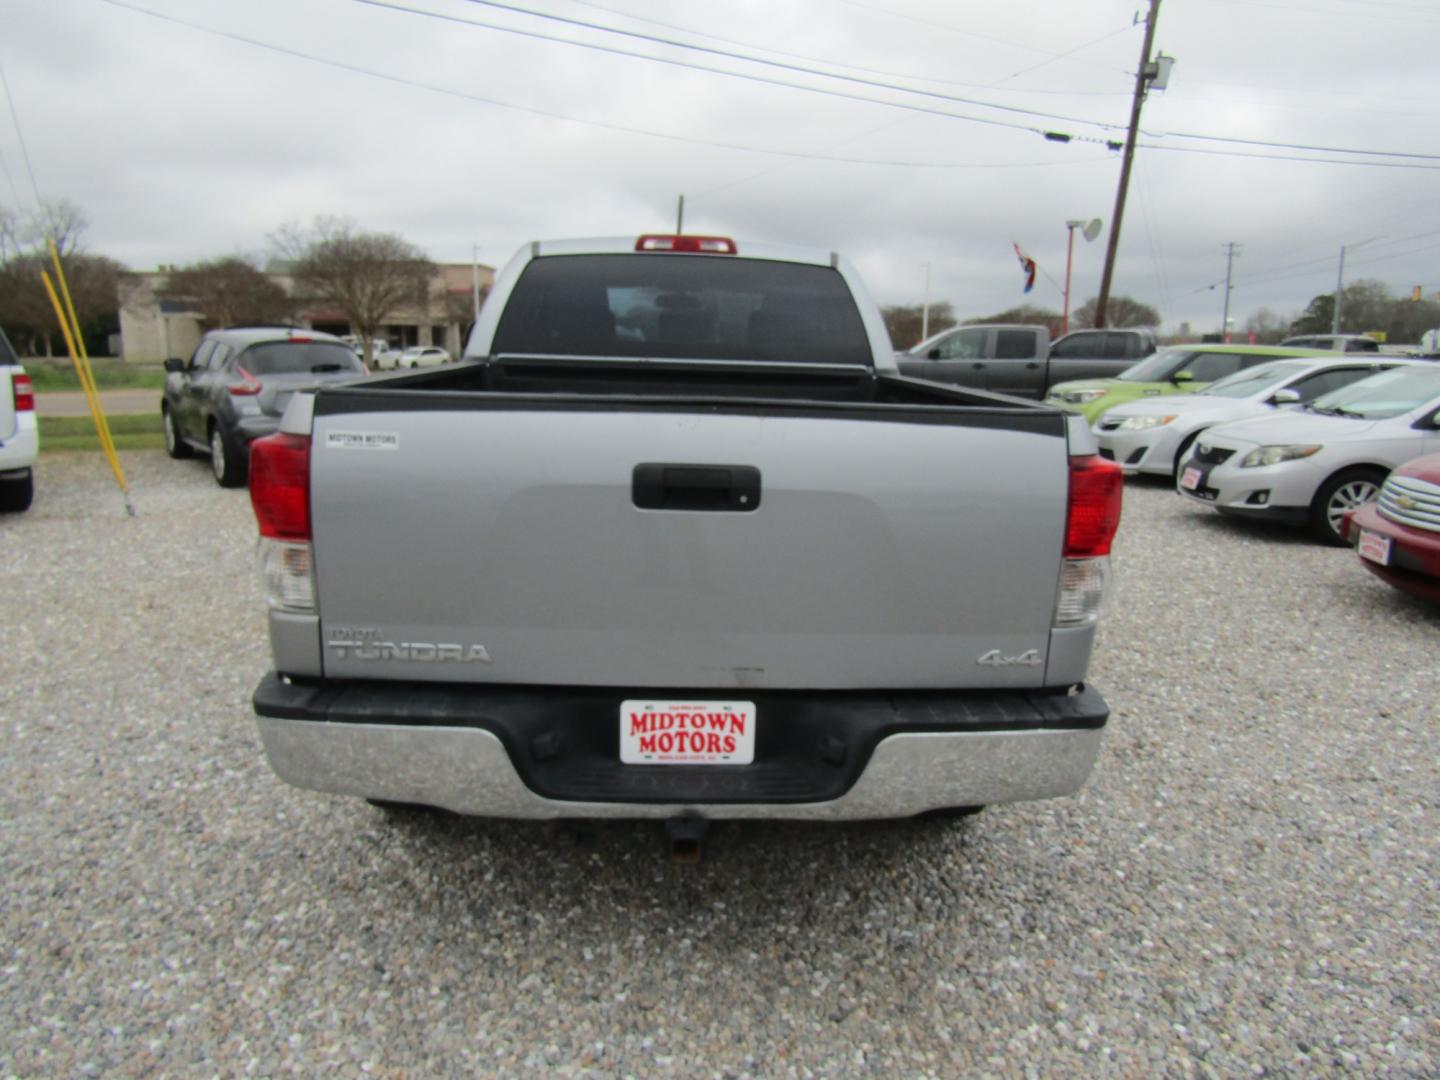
[905,321]
[1268,328]
[230,291]
[367,275]
[1121,311]
[25,309]
[1025,315]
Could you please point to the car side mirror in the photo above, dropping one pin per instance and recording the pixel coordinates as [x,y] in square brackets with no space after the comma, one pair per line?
[174,365]
[1182,376]
[933,354]
[1285,397]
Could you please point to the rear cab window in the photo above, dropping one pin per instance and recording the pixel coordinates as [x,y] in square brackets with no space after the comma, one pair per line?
[710,307]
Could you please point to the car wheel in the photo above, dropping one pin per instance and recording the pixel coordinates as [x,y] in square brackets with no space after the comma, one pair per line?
[17,495]
[175,446]
[227,460]
[1349,489]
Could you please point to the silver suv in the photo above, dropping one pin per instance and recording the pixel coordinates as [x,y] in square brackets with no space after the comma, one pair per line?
[236,386]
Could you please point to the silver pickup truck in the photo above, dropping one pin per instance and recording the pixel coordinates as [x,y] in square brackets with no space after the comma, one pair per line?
[676,541]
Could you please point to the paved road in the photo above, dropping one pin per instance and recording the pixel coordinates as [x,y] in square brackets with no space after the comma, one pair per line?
[116,402]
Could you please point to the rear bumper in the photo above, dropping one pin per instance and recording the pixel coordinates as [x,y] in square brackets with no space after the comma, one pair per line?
[527,753]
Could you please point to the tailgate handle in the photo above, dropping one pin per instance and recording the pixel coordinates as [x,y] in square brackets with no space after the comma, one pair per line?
[727,488]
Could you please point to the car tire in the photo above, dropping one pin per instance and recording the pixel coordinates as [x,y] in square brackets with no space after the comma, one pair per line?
[16,495]
[1348,489]
[227,458]
[175,446]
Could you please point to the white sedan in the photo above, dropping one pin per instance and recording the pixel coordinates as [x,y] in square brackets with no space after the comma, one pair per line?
[422,356]
[1154,435]
[1312,465]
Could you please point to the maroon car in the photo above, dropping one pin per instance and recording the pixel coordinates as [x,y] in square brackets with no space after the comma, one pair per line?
[1398,535]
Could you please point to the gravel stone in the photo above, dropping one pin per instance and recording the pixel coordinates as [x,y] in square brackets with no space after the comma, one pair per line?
[1246,886]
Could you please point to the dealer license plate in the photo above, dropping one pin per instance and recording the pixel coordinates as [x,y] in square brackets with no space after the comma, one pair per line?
[1190,479]
[658,732]
[1374,547]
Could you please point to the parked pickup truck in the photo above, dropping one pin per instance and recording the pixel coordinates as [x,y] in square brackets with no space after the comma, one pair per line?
[680,543]
[1020,359]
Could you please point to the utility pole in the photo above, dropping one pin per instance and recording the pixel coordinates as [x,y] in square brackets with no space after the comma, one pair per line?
[1340,280]
[1143,76]
[1231,250]
[680,217]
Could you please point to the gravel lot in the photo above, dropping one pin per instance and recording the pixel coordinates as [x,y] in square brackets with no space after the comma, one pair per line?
[1247,885]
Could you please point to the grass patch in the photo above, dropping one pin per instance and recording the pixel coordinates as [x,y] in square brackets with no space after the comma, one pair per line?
[140,432]
[50,375]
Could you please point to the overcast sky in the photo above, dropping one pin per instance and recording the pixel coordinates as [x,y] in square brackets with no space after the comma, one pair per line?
[191,130]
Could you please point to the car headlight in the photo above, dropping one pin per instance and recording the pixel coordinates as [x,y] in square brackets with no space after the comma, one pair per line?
[1143,423]
[1083,397]
[1274,455]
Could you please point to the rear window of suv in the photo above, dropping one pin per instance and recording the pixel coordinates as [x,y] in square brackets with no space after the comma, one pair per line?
[298,358]
[705,307]
[7,354]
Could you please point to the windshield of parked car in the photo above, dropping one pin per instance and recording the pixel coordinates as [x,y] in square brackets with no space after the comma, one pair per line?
[712,307]
[298,358]
[1380,396]
[1159,366]
[1253,381]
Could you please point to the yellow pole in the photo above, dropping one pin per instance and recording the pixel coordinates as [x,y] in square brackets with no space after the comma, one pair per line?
[92,397]
[80,357]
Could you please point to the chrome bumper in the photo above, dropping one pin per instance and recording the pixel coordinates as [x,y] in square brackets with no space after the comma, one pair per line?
[468,771]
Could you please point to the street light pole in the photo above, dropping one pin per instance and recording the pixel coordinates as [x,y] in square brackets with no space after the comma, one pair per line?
[925,308]
[1069,256]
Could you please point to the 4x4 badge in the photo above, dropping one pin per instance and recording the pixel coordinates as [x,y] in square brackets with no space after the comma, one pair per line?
[994,658]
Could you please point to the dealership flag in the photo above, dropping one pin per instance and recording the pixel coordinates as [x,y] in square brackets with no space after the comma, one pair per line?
[1028,265]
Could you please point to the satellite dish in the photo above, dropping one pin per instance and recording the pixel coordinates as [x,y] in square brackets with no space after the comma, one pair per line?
[1092,230]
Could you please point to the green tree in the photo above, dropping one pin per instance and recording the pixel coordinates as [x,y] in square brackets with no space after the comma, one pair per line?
[906,321]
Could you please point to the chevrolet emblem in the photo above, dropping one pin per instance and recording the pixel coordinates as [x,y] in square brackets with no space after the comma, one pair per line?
[1405,502]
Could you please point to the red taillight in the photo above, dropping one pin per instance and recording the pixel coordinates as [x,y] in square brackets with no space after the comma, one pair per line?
[280,485]
[248,385]
[24,391]
[699,245]
[1094,510]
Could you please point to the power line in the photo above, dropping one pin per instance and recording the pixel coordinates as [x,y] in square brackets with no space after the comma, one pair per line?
[970,33]
[692,140]
[20,135]
[653,39]
[1281,157]
[855,67]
